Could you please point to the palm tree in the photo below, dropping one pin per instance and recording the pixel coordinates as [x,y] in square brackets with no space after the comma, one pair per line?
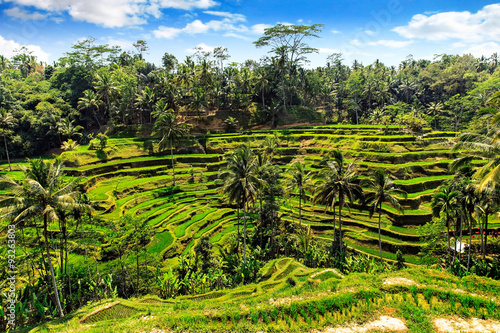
[434,109]
[445,202]
[42,193]
[106,89]
[67,129]
[297,180]
[171,131]
[241,182]
[384,191]
[7,121]
[337,181]
[89,101]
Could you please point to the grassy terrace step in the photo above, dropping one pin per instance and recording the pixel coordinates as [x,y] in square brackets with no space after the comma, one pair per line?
[90,170]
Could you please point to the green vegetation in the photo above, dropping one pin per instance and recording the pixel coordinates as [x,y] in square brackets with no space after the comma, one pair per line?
[237,231]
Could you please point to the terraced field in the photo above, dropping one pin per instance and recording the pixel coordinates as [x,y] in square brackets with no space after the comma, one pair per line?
[291,297]
[129,180]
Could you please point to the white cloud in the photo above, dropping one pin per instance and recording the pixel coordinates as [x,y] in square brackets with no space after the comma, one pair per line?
[327,50]
[355,42]
[391,43]
[8,48]
[188,4]
[113,13]
[198,27]
[166,32]
[124,44]
[485,49]
[233,17]
[24,15]
[258,29]
[201,47]
[335,31]
[481,26]
[369,32]
[232,34]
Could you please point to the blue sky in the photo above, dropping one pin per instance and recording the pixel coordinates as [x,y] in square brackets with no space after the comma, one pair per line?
[365,30]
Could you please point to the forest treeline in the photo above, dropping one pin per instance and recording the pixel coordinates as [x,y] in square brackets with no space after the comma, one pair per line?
[44,105]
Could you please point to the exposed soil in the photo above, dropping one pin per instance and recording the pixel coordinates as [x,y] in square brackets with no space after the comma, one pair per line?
[469,325]
[384,324]
[399,281]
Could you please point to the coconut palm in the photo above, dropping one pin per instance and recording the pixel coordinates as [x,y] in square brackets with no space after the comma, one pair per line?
[67,129]
[42,193]
[171,131]
[241,182]
[90,101]
[384,191]
[337,182]
[444,202]
[297,180]
[70,145]
[7,121]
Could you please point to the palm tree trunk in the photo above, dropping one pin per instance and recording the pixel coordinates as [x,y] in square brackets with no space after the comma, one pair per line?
[238,223]
[448,235]
[340,227]
[51,268]
[470,244]
[244,229]
[485,236]
[461,232]
[172,157]
[379,237]
[300,210]
[481,233]
[7,152]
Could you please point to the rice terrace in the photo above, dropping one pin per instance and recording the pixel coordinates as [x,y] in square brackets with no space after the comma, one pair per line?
[286,193]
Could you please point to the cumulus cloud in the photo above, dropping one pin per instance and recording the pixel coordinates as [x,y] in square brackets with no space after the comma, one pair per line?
[258,29]
[166,32]
[232,16]
[24,15]
[470,27]
[198,27]
[201,47]
[112,13]
[122,43]
[392,43]
[485,49]
[9,47]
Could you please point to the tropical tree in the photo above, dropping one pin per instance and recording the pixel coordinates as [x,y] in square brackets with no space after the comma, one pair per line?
[171,131]
[7,121]
[337,182]
[42,193]
[444,202]
[70,145]
[241,182]
[297,180]
[67,129]
[90,101]
[384,191]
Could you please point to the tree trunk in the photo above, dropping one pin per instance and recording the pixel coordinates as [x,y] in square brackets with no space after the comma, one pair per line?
[481,233]
[51,268]
[448,236]
[238,223]
[379,237]
[461,232]
[7,152]
[340,227]
[244,230]
[300,210]
[172,157]
[470,244]
[485,236]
